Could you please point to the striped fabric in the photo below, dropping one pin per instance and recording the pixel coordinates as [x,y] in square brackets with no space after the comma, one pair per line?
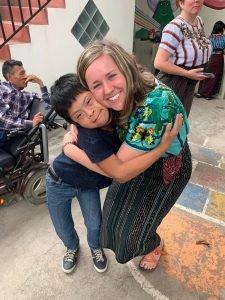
[187,44]
[211,86]
[132,211]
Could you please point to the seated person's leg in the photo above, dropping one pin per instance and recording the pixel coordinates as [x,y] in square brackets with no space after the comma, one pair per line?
[3,137]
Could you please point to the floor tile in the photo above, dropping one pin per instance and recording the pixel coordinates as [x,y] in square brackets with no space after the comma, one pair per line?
[216,206]
[210,177]
[193,197]
[205,155]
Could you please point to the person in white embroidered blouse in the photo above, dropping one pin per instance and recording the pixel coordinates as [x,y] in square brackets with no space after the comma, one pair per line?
[183,52]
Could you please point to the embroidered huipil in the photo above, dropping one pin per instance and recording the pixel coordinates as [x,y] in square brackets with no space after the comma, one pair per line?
[218,41]
[147,124]
[14,106]
[187,44]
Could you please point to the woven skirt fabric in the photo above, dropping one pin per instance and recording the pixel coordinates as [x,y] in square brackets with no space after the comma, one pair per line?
[133,210]
[211,86]
[183,87]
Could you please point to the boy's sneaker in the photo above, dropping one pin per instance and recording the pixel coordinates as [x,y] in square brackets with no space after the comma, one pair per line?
[70,260]
[99,259]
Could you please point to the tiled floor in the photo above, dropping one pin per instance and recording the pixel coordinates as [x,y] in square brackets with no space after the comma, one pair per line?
[206,191]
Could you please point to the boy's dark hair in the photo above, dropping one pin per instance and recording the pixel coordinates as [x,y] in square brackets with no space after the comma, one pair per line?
[8,66]
[64,93]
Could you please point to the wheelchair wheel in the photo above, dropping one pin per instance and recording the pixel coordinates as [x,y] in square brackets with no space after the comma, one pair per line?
[35,190]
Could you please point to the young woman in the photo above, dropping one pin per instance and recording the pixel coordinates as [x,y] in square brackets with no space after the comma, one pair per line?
[183,52]
[133,210]
[211,86]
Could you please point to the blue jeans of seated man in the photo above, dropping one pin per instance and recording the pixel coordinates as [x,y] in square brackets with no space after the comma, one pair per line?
[59,199]
[2,137]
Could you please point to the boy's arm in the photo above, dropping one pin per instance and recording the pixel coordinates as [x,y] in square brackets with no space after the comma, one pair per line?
[126,170]
[78,155]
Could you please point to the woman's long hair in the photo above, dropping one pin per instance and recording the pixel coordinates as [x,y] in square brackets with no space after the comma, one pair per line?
[139,80]
[218,27]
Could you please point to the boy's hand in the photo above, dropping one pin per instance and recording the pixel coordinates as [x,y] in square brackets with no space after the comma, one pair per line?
[38,118]
[170,134]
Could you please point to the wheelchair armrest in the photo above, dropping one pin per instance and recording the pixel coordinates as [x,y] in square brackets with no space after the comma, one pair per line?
[44,144]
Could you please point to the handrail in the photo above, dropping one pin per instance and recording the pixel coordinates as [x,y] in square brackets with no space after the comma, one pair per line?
[23,22]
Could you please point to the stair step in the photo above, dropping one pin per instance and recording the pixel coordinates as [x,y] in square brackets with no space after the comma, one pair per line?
[5,52]
[40,18]
[53,3]
[23,35]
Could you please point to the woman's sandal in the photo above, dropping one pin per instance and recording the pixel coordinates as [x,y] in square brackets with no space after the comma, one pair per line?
[152,258]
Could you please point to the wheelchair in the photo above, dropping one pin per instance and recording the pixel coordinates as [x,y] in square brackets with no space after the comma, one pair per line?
[24,159]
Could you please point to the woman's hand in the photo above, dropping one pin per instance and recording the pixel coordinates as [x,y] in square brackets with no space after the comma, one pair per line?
[194,74]
[68,138]
[171,133]
[74,132]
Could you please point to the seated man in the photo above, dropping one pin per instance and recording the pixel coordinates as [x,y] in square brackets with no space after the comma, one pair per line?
[15,102]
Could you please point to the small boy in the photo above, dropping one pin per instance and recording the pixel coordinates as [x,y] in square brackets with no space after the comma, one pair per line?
[67,179]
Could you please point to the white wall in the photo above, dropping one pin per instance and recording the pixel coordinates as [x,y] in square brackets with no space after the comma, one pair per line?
[210,17]
[53,50]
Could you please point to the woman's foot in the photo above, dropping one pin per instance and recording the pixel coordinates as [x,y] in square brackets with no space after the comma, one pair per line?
[150,261]
[197,95]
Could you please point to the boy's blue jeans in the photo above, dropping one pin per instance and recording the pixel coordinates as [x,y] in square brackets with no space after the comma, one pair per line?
[59,198]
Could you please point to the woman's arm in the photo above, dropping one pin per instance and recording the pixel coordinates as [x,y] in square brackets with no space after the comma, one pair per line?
[162,63]
[138,162]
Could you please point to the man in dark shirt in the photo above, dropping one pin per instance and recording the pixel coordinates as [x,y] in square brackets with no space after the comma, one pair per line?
[15,102]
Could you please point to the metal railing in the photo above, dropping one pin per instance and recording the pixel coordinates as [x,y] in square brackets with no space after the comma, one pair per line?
[40,5]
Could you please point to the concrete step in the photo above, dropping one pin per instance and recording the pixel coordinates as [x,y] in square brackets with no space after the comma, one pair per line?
[53,3]
[41,18]
[22,36]
[4,52]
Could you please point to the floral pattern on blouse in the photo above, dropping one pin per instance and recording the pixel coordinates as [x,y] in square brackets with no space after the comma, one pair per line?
[196,34]
[147,124]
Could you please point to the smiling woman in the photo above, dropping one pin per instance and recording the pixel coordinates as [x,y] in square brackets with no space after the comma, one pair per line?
[135,206]
[108,87]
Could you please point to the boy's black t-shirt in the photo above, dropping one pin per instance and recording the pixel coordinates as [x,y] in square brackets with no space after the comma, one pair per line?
[98,144]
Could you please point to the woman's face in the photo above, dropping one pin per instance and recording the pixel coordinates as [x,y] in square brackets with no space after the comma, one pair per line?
[107,83]
[192,7]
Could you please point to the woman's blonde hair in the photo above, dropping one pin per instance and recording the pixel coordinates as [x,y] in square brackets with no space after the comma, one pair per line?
[139,80]
[178,2]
